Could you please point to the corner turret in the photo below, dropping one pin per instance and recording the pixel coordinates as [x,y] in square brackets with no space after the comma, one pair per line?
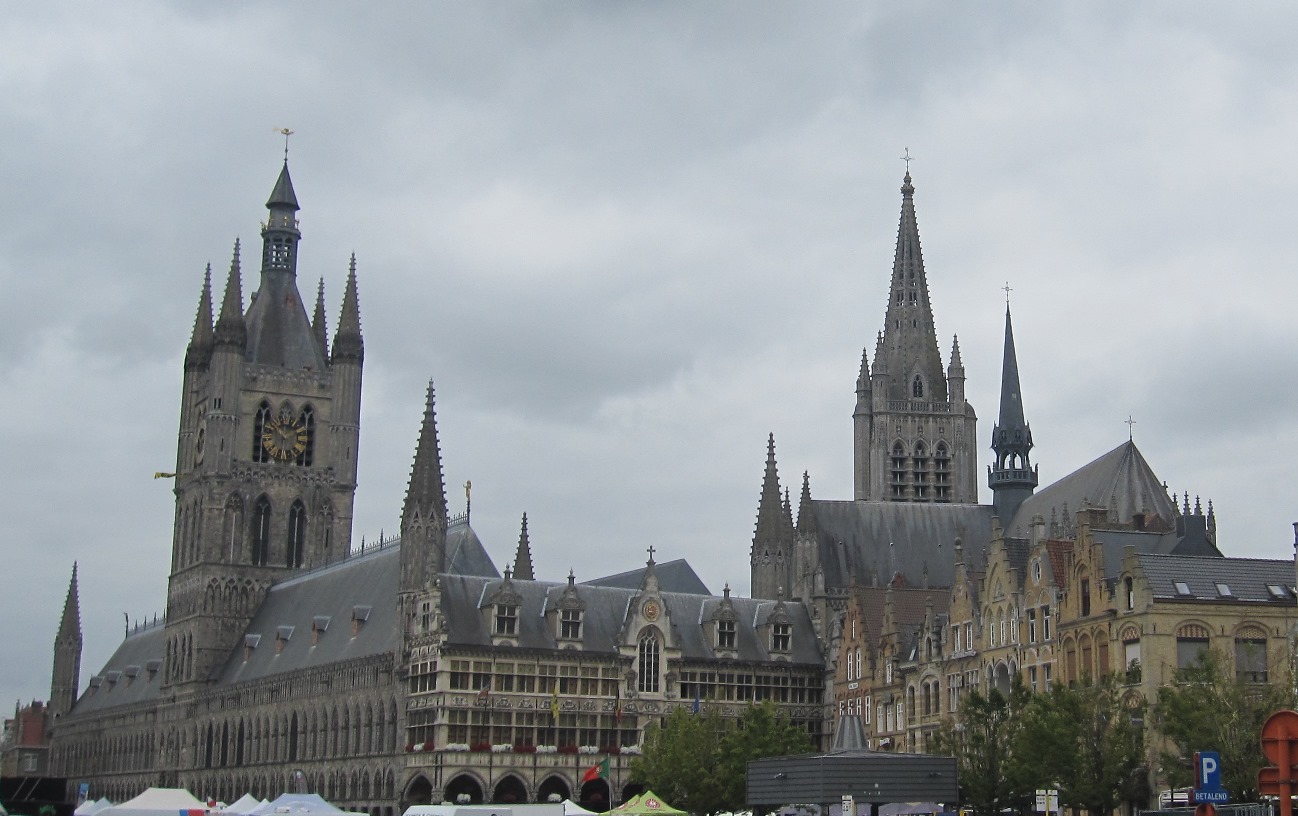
[1013,477]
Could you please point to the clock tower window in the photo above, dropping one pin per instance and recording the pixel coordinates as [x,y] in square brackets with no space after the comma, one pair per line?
[296,535]
[307,422]
[261,532]
[263,418]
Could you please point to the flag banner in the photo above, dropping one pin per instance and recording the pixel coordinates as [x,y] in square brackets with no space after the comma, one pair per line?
[597,771]
[554,699]
[484,693]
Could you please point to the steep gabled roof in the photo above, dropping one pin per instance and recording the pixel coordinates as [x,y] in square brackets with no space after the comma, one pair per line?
[673,576]
[1122,475]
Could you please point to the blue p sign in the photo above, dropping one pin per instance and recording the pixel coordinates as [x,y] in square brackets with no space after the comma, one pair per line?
[1207,770]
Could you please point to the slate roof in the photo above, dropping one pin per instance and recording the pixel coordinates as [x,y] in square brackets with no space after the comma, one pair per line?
[466,599]
[142,648]
[467,555]
[874,540]
[279,331]
[673,576]
[1114,543]
[1122,475]
[1249,579]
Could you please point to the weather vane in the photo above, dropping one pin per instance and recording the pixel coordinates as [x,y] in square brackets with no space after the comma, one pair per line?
[908,159]
[286,133]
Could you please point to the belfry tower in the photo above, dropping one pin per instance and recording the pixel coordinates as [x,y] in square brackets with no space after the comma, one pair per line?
[914,434]
[266,456]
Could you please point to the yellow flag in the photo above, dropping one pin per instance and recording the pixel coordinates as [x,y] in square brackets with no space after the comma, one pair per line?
[554,699]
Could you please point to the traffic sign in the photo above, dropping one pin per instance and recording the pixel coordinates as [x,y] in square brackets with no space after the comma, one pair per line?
[1280,726]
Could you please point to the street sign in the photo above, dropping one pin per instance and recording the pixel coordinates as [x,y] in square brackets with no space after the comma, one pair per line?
[1207,779]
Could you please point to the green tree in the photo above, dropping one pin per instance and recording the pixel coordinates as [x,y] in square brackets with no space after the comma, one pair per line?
[983,737]
[1209,710]
[699,762]
[1088,740]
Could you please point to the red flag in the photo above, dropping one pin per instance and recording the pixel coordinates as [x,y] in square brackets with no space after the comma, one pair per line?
[597,771]
[484,694]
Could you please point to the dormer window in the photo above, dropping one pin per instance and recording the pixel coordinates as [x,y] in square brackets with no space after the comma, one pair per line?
[507,619]
[781,637]
[726,634]
[570,624]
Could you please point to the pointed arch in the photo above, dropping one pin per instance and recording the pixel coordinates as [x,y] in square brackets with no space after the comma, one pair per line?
[261,515]
[232,528]
[295,549]
[307,420]
[649,661]
[259,423]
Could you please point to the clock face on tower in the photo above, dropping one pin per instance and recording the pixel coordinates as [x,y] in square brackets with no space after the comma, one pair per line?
[284,437]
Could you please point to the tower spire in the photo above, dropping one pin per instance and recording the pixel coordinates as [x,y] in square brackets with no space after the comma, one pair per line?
[423,518]
[230,327]
[523,556]
[66,675]
[909,343]
[200,341]
[772,537]
[1013,478]
[348,343]
[318,322]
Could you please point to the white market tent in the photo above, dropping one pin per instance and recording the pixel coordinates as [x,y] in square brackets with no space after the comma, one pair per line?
[90,808]
[302,803]
[243,806]
[157,802]
[571,808]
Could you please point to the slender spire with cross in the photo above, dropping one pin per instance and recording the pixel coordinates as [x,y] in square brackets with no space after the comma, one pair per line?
[1007,291]
[908,159]
[651,552]
[1129,422]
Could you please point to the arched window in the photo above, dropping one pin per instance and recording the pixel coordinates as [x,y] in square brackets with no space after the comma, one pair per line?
[307,420]
[296,535]
[649,663]
[917,387]
[232,527]
[261,532]
[259,452]
[898,471]
[941,472]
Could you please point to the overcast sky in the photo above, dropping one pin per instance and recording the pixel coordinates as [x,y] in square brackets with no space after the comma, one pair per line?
[627,241]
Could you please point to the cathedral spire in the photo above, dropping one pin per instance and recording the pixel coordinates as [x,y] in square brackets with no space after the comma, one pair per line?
[200,341]
[806,521]
[423,518]
[1012,478]
[318,322]
[773,535]
[348,344]
[909,343]
[230,327]
[523,556]
[66,675]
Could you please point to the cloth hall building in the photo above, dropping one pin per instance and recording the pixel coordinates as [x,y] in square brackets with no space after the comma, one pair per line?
[415,670]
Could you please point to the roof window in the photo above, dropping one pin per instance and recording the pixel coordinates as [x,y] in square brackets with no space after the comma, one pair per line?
[1182,588]
[1277,591]
[1224,590]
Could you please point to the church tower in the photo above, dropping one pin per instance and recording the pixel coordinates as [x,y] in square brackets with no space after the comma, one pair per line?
[266,460]
[771,557]
[914,434]
[1013,478]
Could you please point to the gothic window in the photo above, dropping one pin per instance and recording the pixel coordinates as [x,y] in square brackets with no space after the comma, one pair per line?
[296,535]
[725,634]
[898,462]
[261,532]
[648,659]
[920,474]
[941,472]
[917,388]
[307,420]
[259,452]
[1086,597]
[506,619]
[1032,626]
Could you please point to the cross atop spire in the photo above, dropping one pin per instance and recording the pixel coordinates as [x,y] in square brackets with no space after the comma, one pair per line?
[1129,422]
[906,158]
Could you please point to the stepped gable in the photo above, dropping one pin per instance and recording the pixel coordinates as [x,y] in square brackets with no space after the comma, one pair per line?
[143,648]
[1249,579]
[328,597]
[853,538]
[673,576]
[1122,475]
[464,597]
